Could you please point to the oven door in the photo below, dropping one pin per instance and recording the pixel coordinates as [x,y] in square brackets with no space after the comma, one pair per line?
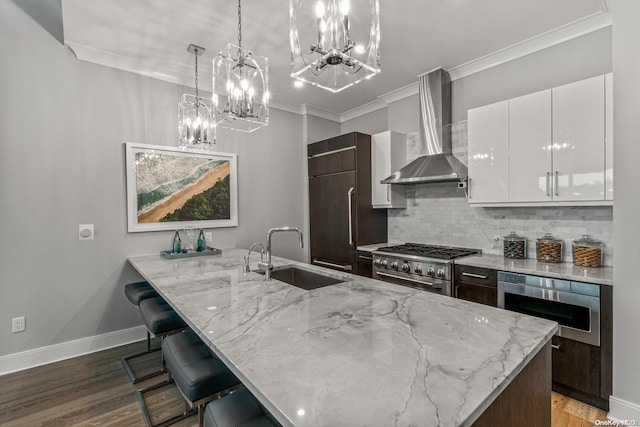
[430,284]
[578,315]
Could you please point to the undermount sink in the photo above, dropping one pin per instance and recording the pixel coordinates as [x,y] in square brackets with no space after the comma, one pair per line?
[303,279]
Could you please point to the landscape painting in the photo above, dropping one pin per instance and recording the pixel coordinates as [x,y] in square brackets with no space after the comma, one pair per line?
[170,188]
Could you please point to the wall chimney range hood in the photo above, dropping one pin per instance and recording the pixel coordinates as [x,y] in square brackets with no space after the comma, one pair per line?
[438,165]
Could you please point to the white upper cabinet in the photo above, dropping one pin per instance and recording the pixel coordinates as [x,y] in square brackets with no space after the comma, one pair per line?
[545,148]
[388,154]
[608,141]
[578,140]
[488,135]
[530,148]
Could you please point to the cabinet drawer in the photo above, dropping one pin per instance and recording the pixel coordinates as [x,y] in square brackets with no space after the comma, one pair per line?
[475,275]
[339,161]
[576,365]
[487,295]
[364,264]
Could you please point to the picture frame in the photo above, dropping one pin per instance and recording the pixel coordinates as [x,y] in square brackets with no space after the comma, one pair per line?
[170,188]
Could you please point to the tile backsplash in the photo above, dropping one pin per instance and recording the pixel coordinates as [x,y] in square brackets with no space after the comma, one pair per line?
[438,213]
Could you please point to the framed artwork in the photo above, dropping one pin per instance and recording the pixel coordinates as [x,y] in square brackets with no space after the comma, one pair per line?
[169,188]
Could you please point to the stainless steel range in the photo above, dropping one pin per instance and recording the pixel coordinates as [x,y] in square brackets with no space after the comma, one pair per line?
[417,265]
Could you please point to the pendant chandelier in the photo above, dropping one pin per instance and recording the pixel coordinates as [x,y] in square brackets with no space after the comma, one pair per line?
[196,126]
[240,86]
[331,46]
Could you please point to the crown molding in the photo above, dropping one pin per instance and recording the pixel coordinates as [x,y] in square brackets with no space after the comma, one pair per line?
[401,93]
[567,32]
[367,108]
[319,112]
[278,104]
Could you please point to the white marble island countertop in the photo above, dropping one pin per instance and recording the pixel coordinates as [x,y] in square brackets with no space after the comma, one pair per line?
[358,353]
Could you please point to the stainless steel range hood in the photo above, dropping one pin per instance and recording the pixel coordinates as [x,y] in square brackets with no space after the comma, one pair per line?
[434,90]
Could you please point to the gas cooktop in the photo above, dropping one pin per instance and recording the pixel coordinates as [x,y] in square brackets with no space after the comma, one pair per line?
[430,251]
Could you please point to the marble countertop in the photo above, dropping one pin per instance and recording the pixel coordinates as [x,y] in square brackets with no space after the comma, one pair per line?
[373,247]
[563,270]
[358,353]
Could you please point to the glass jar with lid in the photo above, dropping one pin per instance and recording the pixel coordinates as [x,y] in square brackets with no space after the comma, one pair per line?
[548,249]
[514,246]
[587,252]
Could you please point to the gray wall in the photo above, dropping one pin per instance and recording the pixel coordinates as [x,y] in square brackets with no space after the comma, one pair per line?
[62,127]
[319,128]
[626,232]
[371,123]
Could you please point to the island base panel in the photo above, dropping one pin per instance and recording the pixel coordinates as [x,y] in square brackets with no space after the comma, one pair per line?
[526,402]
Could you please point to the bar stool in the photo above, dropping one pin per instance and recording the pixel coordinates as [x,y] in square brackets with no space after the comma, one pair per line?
[240,408]
[161,320]
[197,373]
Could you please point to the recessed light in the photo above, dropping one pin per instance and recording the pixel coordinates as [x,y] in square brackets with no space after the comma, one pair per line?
[298,83]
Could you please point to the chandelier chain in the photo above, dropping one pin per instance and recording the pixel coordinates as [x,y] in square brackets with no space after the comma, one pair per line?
[196,52]
[239,25]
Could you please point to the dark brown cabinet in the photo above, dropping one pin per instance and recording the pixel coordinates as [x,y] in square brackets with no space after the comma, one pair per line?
[365,264]
[340,213]
[476,284]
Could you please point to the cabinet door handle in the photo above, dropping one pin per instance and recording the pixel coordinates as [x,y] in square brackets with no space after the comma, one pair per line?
[368,258]
[555,347]
[477,276]
[349,194]
[469,188]
[455,291]
[388,191]
[556,185]
[344,267]
[548,182]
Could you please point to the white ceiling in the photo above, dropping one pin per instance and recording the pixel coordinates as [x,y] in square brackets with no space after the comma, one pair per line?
[150,37]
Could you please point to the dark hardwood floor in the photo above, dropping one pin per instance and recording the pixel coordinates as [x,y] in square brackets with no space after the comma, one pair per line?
[95,390]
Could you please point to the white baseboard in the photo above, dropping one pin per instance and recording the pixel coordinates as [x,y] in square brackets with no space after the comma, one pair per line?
[66,350]
[621,410]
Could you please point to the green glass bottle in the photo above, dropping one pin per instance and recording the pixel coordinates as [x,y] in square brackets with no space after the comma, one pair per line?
[202,243]
[177,243]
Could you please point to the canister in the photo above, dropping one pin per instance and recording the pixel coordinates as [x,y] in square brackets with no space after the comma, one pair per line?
[548,249]
[514,246]
[587,252]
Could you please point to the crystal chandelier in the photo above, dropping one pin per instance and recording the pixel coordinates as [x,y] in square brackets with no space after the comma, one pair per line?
[240,87]
[344,47]
[196,126]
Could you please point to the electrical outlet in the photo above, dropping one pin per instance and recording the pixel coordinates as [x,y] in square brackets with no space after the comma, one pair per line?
[18,324]
[208,236]
[496,241]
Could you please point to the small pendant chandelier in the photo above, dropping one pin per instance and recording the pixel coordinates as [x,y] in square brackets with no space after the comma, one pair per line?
[339,56]
[240,86]
[196,126]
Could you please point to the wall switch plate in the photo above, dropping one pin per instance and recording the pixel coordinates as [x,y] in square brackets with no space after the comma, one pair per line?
[208,236]
[85,232]
[496,241]
[18,324]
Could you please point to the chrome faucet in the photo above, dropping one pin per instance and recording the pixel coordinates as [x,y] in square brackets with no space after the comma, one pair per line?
[266,265]
[246,268]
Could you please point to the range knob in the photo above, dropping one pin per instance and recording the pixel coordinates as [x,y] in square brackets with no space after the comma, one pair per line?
[383,263]
[406,268]
[376,262]
[394,265]
[440,273]
[430,271]
[417,270]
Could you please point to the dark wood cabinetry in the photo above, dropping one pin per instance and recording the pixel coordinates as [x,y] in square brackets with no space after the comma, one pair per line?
[340,213]
[584,371]
[476,284]
[365,264]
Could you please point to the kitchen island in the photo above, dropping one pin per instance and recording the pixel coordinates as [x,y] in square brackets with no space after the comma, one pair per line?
[362,352]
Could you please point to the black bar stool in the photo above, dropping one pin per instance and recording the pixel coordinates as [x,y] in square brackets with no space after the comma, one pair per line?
[240,408]
[161,320]
[198,374]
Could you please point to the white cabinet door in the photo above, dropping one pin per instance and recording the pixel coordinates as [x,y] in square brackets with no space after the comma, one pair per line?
[488,133]
[578,140]
[608,124]
[530,148]
[388,154]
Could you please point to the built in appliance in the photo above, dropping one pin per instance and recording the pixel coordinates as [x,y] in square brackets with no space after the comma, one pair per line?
[574,305]
[421,266]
